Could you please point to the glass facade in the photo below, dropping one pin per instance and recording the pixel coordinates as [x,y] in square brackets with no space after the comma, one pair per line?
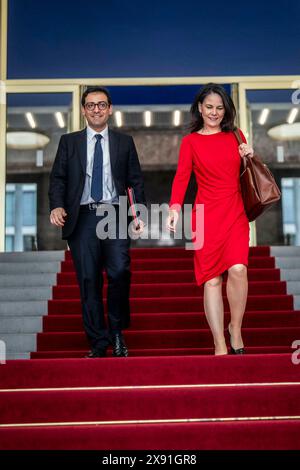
[21,224]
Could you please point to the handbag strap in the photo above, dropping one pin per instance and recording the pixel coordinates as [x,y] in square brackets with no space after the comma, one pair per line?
[238,136]
[244,160]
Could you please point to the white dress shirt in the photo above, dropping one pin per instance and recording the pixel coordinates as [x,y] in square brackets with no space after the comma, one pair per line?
[109,191]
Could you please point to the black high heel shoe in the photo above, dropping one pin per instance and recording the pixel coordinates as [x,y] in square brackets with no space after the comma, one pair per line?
[232,350]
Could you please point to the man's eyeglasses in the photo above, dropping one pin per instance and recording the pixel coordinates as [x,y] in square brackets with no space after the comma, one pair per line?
[102,105]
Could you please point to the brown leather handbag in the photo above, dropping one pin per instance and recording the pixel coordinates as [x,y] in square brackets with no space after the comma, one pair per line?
[258,186]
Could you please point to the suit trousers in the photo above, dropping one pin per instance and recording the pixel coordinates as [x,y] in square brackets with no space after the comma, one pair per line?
[91,256]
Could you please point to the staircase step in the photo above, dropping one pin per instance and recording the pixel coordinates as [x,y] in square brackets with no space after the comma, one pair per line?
[179,252]
[27,280]
[32,256]
[161,276]
[290,274]
[296,301]
[262,434]
[25,293]
[178,320]
[171,263]
[177,304]
[167,290]
[29,267]
[21,324]
[288,262]
[187,338]
[293,287]
[24,342]
[29,307]
[155,352]
[16,355]
[285,251]
[186,402]
[131,371]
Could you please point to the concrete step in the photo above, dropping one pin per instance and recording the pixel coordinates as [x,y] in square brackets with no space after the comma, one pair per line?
[24,342]
[25,293]
[10,355]
[290,274]
[32,307]
[31,268]
[287,258]
[21,324]
[31,256]
[287,262]
[27,280]
[297,303]
[293,287]
[285,251]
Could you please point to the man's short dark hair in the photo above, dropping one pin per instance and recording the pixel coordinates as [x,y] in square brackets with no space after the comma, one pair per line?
[96,89]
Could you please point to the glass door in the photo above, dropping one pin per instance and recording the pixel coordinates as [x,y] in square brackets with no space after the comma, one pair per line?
[35,123]
[274,129]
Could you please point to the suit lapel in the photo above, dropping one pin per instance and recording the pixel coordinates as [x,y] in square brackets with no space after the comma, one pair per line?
[82,148]
[113,148]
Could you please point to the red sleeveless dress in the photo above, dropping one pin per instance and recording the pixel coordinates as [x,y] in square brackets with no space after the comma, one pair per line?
[215,160]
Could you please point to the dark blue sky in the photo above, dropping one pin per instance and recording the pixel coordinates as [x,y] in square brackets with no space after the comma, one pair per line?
[115,38]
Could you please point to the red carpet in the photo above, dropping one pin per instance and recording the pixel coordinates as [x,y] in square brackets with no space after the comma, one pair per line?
[171,393]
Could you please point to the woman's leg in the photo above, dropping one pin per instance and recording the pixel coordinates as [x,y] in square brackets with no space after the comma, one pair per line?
[214,311]
[237,291]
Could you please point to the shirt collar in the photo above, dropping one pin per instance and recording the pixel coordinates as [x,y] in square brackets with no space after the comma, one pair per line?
[91,133]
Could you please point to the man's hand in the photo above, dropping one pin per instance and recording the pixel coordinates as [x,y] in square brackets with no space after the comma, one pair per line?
[138,231]
[57,216]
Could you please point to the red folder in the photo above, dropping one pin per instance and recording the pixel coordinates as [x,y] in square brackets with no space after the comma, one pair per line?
[132,205]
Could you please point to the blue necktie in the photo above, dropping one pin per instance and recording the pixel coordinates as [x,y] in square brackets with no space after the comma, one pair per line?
[96,187]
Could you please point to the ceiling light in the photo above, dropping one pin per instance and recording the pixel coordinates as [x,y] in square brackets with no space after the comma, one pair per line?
[31,120]
[285,132]
[148,118]
[263,116]
[118,118]
[176,117]
[26,140]
[60,119]
[292,115]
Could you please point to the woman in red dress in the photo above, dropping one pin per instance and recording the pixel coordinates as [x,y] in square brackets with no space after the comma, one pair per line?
[211,151]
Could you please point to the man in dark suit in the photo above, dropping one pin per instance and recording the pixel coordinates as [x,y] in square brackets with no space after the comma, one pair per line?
[94,167]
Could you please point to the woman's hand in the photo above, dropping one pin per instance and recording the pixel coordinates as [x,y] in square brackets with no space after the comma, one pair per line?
[172,221]
[246,150]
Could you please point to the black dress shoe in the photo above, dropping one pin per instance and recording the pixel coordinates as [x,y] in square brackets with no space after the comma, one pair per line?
[96,353]
[119,346]
[232,350]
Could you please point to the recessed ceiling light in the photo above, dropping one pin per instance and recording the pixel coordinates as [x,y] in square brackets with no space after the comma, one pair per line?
[263,116]
[176,117]
[118,118]
[148,118]
[31,120]
[292,115]
[60,119]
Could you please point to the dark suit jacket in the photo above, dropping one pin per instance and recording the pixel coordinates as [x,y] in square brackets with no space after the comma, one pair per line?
[68,173]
